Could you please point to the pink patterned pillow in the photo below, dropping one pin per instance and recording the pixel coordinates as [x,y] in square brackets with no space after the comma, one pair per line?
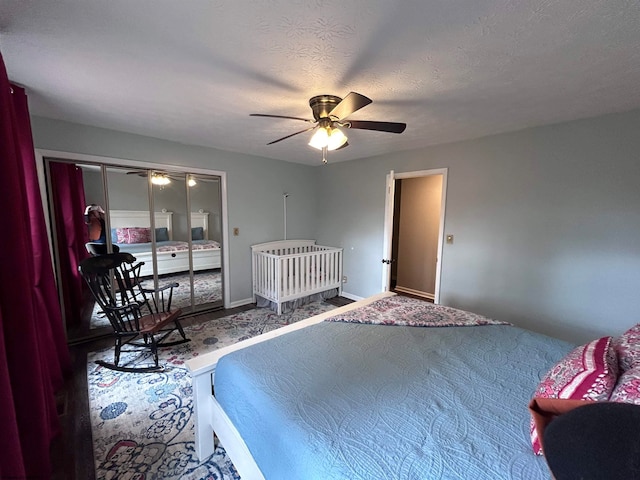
[628,387]
[133,235]
[627,347]
[589,372]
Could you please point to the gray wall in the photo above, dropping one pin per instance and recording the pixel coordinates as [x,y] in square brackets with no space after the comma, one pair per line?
[546,224]
[93,190]
[255,185]
[205,196]
[546,220]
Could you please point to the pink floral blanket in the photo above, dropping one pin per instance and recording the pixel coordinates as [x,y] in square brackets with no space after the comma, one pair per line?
[411,312]
[181,246]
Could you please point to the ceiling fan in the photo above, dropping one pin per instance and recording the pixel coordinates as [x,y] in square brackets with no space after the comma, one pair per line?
[330,113]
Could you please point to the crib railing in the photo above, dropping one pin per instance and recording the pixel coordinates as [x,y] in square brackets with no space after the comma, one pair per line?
[292,269]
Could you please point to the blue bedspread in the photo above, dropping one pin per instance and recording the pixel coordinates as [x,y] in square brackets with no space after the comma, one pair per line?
[357,401]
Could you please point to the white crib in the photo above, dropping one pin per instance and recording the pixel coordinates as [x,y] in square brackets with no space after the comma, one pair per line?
[286,270]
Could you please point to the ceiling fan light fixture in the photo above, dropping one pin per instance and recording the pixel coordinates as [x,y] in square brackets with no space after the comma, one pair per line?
[331,138]
[336,139]
[319,139]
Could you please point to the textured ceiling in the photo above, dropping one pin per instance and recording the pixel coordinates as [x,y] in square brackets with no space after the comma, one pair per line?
[193,71]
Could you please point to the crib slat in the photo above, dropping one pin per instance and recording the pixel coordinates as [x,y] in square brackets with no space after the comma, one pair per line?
[277,263]
[270,274]
[325,269]
[303,272]
[334,268]
[258,274]
[289,275]
[265,275]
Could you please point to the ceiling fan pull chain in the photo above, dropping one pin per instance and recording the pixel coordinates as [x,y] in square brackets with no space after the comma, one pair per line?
[324,155]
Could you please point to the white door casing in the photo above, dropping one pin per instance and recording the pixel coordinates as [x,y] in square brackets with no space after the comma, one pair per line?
[388,231]
[388,224]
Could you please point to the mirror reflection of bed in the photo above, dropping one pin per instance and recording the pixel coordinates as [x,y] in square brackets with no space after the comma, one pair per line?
[131,232]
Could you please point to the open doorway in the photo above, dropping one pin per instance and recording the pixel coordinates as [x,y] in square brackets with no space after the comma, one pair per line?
[414,225]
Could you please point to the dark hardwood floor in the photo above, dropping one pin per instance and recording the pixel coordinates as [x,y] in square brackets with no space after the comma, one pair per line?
[72,450]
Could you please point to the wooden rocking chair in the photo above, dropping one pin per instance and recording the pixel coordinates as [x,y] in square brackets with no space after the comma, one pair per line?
[137,321]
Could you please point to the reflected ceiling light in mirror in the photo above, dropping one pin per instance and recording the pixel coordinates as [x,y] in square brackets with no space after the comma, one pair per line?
[160,179]
[192,182]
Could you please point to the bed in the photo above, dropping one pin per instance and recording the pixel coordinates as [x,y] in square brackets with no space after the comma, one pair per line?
[130,230]
[348,399]
[287,271]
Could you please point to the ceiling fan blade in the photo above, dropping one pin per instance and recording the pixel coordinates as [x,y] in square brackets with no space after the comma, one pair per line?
[141,173]
[289,136]
[345,145]
[391,127]
[349,104]
[280,116]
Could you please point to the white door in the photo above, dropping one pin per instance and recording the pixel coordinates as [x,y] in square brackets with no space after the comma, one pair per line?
[388,232]
[389,222]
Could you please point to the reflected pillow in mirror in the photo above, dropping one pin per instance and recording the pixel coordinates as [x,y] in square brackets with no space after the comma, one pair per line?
[197,233]
[162,234]
[133,235]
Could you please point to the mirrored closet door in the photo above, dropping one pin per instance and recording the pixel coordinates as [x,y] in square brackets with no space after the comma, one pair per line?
[171,221]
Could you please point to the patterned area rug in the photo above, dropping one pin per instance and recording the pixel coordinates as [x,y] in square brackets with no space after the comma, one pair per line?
[142,424]
[207,289]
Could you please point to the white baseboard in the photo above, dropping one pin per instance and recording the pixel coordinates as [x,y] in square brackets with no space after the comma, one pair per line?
[417,293]
[240,303]
[350,296]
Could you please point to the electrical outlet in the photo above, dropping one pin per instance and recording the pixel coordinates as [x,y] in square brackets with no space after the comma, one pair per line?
[344,279]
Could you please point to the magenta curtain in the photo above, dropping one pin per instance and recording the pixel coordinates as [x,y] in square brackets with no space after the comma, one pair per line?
[71,232]
[33,351]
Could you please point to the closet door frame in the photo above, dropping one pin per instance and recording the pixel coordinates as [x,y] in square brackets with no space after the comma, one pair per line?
[41,154]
